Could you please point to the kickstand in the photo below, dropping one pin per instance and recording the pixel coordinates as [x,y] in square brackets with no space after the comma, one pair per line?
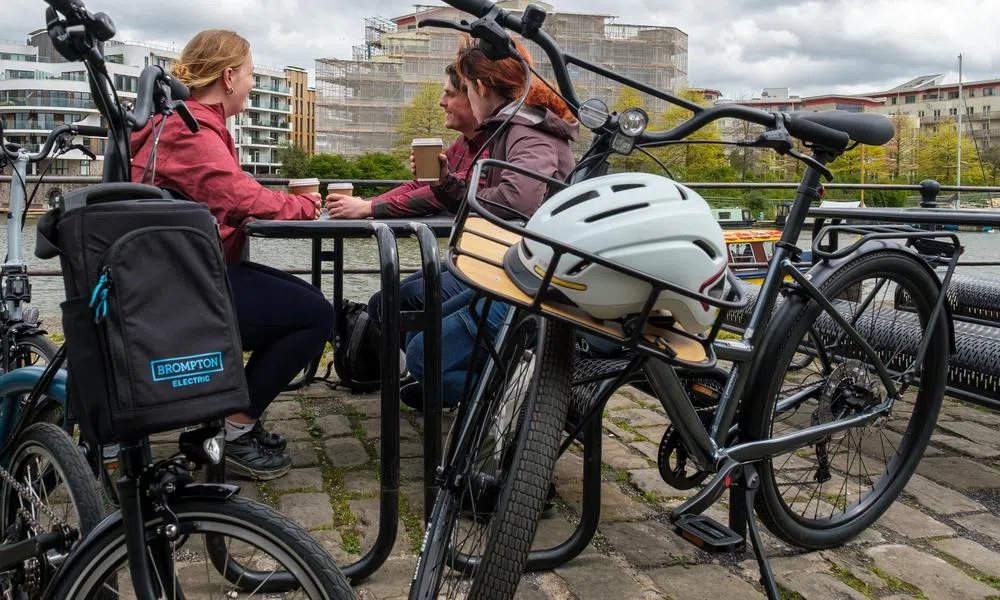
[742,521]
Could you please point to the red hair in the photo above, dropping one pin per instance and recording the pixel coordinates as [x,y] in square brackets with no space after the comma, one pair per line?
[507,77]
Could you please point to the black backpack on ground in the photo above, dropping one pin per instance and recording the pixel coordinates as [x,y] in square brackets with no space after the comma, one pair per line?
[151,337]
[357,357]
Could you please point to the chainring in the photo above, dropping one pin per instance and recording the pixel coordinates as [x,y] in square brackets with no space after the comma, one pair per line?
[704,390]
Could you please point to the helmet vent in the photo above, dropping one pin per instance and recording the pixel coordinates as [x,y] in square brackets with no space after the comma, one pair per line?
[707,249]
[574,201]
[578,267]
[624,187]
[680,190]
[527,251]
[616,211]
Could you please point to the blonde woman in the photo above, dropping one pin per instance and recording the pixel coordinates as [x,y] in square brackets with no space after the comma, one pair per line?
[283,321]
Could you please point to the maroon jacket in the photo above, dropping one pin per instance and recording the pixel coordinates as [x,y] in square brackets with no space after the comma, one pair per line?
[537,139]
[414,198]
[204,167]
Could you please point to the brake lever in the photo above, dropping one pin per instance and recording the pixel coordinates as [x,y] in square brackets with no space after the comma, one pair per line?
[779,140]
[462,26]
[184,113]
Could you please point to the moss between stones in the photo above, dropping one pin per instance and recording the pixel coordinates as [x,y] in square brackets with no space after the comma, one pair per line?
[847,578]
[898,585]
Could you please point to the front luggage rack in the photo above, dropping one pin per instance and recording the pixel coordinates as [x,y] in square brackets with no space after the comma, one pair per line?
[480,240]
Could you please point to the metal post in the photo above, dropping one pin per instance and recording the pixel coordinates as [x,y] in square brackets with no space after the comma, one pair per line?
[432,362]
[929,190]
[388,516]
[961,110]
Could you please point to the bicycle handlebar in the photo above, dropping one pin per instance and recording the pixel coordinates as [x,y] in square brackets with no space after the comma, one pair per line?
[155,85]
[76,129]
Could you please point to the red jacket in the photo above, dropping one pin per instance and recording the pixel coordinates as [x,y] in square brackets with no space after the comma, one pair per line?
[204,167]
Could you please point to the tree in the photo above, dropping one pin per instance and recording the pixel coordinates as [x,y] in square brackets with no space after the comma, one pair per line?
[422,117]
[294,162]
[937,156]
[900,159]
[377,165]
[330,166]
[695,162]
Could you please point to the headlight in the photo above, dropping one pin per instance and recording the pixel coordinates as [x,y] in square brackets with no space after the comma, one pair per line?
[633,122]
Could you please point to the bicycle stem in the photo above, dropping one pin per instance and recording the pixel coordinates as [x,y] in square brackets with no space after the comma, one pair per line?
[15,212]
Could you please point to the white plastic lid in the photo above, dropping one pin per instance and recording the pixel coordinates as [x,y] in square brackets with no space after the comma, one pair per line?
[427,142]
[303,182]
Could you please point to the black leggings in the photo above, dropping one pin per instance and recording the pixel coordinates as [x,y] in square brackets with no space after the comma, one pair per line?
[283,321]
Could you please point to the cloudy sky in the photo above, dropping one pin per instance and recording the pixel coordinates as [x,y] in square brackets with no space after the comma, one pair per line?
[737,46]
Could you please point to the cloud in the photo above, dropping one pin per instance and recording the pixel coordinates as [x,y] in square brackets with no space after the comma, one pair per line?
[738,46]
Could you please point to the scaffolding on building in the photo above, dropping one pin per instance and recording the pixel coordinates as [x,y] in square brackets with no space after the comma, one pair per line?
[359,101]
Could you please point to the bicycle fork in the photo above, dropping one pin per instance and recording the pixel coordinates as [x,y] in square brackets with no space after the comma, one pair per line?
[151,565]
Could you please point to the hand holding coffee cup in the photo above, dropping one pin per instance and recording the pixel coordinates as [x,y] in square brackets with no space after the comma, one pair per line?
[342,204]
[310,187]
[427,160]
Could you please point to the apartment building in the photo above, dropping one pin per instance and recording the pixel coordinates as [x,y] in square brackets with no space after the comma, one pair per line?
[359,100]
[39,90]
[303,109]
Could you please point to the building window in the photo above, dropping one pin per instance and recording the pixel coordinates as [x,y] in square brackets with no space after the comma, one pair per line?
[986,108]
[118,59]
[84,167]
[972,93]
[953,95]
[59,167]
[953,111]
[970,110]
[892,100]
[986,125]
[911,99]
[989,91]
[920,113]
[937,113]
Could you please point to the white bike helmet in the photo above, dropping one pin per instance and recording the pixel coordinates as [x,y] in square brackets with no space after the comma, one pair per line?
[646,222]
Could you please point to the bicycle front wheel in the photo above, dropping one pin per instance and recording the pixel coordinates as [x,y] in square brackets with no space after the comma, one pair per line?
[825,494]
[252,535]
[484,519]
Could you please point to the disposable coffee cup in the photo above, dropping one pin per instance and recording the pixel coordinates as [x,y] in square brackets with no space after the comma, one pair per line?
[344,189]
[425,158]
[304,186]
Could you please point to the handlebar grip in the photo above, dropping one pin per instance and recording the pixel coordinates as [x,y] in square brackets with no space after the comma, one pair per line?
[69,8]
[144,96]
[478,8]
[90,130]
[178,91]
[814,133]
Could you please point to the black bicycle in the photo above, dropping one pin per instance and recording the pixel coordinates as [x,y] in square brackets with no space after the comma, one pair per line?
[172,537]
[828,402]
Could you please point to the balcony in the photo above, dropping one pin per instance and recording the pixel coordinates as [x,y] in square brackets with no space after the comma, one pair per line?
[273,89]
[259,141]
[266,124]
[271,106]
[54,103]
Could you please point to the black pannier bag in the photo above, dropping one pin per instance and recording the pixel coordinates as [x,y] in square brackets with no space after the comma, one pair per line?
[151,336]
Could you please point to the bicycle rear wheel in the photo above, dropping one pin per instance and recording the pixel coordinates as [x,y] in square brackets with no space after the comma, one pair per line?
[255,535]
[484,519]
[52,470]
[827,493]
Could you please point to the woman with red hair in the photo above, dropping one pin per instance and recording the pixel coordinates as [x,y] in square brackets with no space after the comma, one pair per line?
[537,139]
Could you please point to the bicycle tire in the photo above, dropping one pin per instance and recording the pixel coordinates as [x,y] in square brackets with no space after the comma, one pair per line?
[521,501]
[70,466]
[252,521]
[48,410]
[794,325]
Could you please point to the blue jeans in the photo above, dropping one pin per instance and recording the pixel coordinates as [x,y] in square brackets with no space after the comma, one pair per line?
[411,293]
[458,340]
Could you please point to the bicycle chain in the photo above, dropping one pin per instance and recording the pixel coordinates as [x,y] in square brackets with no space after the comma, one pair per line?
[36,502]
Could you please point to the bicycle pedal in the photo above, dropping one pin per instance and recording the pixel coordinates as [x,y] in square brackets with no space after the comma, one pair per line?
[708,534]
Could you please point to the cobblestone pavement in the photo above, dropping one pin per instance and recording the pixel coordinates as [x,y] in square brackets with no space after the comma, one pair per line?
[940,540]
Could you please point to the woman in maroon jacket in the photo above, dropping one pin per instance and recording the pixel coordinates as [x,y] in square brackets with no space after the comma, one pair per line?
[283,320]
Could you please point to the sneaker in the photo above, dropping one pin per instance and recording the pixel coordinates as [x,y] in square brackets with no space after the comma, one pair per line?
[412,394]
[245,456]
[275,442]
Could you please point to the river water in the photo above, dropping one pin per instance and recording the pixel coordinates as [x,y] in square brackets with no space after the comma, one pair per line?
[47,292]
